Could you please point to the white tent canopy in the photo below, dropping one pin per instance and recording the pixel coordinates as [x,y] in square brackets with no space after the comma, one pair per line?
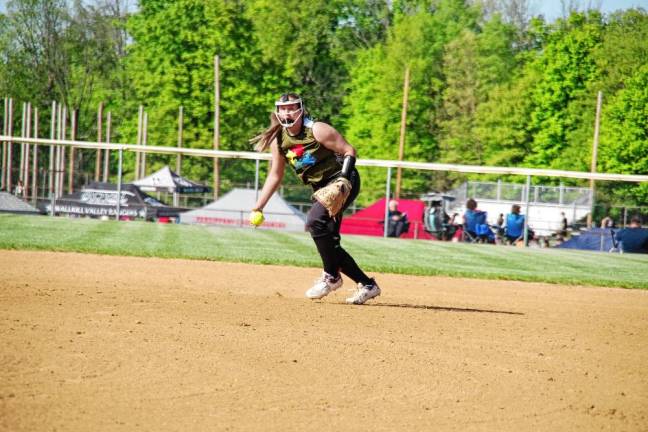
[166,180]
[234,207]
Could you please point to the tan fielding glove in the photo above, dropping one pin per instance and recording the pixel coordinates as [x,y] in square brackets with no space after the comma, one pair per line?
[334,195]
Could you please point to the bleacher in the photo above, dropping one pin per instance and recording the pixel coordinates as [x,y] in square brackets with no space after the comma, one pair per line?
[545,202]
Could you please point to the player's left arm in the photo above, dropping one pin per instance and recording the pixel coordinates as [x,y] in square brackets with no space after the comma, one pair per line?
[330,138]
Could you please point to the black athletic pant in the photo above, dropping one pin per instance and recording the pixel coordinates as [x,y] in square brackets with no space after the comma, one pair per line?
[325,232]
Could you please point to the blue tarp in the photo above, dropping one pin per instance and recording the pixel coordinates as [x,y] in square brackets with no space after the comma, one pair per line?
[596,239]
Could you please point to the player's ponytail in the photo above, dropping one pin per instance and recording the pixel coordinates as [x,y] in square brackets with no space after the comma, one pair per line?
[264,139]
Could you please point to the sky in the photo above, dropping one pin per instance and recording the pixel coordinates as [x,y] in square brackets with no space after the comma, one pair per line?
[551,9]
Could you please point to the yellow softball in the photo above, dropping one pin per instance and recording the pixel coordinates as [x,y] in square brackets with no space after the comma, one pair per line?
[256,218]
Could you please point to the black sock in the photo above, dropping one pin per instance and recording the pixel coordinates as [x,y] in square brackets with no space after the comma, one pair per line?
[349,267]
[327,248]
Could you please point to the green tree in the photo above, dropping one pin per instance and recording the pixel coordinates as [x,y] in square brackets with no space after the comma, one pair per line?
[374,103]
[502,123]
[35,62]
[474,63]
[623,49]
[566,68]
[171,64]
[309,43]
[624,137]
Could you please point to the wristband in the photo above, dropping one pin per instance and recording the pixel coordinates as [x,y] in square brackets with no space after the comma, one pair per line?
[347,166]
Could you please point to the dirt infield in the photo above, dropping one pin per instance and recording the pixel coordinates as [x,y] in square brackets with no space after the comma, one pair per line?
[93,343]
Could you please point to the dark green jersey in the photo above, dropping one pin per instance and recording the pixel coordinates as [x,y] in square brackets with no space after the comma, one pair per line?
[311,161]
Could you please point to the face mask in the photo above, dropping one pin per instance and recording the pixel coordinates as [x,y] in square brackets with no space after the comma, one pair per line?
[284,117]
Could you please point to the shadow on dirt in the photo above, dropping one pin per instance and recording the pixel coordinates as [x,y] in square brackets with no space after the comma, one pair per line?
[438,308]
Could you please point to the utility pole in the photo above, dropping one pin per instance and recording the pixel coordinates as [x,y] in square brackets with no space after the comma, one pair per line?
[599,101]
[216,124]
[401,144]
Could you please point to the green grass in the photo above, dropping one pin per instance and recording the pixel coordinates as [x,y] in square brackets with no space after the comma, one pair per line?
[374,254]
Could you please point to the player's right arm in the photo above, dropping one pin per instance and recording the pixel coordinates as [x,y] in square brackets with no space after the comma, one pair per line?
[274,179]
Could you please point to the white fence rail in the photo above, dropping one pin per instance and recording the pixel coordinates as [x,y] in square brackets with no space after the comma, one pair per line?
[388,164]
[426,166]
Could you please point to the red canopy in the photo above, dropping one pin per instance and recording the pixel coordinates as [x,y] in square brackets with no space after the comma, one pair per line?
[369,221]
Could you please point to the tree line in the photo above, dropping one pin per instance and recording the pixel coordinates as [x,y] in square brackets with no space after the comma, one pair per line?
[490,84]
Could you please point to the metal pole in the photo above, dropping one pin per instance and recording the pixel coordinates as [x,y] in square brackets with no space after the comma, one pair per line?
[119,181]
[256,180]
[387,195]
[3,175]
[526,212]
[27,151]
[599,100]
[23,123]
[106,167]
[140,117]
[72,152]
[99,136]
[180,139]
[144,142]
[50,185]
[63,151]
[10,146]
[176,200]
[401,143]
[34,187]
[57,150]
[216,124]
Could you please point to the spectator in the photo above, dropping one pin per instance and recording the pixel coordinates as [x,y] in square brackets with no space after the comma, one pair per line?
[18,191]
[561,235]
[475,226]
[515,226]
[397,223]
[634,238]
[607,222]
[500,220]
[437,221]
[499,226]
[456,228]
[469,217]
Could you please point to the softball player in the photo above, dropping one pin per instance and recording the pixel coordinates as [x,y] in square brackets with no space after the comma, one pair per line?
[319,155]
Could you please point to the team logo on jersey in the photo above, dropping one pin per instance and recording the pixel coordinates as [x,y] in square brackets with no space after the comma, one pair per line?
[300,158]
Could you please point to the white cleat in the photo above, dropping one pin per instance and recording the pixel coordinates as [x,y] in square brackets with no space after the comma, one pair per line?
[324,286]
[364,293]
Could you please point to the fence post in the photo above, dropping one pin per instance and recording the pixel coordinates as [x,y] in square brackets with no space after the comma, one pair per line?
[526,215]
[119,181]
[21,170]
[3,174]
[34,188]
[50,173]
[387,195]
[106,157]
[256,180]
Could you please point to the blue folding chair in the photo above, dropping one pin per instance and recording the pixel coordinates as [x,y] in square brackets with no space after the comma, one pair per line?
[476,228]
[514,230]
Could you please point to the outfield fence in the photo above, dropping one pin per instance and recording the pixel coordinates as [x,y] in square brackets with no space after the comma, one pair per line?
[526,194]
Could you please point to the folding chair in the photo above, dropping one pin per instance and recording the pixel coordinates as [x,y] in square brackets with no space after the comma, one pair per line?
[617,245]
[476,228]
[514,230]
